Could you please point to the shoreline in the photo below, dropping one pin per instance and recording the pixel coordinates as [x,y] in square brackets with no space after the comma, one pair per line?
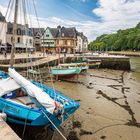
[126,53]
[111,106]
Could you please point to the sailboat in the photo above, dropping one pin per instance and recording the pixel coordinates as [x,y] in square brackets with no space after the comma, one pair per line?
[30,102]
[64,72]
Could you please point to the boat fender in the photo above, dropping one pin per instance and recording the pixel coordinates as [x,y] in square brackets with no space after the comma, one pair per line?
[3,116]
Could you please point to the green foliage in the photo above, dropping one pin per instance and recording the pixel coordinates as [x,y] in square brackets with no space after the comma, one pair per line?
[128,39]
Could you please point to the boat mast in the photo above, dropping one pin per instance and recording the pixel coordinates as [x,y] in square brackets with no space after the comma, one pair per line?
[14,33]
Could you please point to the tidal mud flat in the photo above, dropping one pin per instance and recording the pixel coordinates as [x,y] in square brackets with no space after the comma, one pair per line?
[110,110]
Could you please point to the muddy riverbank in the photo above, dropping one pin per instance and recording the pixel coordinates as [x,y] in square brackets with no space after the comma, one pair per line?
[108,111]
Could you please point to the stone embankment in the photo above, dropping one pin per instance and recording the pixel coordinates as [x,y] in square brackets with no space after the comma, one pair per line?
[39,60]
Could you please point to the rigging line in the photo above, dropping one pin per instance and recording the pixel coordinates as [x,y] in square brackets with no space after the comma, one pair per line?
[30,60]
[36,14]
[22,22]
[12,60]
[38,26]
[26,32]
[33,34]
[40,34]
[53,87]
[47,62]
[25,124]
[50,74]
[20,13]
[11,8]
[8,7]
[24,12]
[54,125]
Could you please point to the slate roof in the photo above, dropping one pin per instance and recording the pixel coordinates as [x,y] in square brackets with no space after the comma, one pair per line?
[19,26]
[2,18]
[63,32]
[54,31]
[68,32]
[85,39]
[37,31]
[82,36]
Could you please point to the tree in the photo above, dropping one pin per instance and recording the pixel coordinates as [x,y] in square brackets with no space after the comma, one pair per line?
[128,39]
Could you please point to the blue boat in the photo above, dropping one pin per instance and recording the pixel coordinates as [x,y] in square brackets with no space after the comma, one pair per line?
[31,103]
[32,112]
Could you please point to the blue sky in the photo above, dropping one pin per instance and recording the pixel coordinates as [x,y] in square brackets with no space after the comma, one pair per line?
[71,9]
[92,17]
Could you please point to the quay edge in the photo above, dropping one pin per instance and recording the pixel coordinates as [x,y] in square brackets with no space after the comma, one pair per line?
[110,62]
[6,132]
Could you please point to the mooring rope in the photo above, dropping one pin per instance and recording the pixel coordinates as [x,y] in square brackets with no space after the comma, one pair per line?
[25,124]
[54,125]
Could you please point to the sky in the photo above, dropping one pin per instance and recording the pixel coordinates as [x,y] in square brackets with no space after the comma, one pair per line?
[92,17]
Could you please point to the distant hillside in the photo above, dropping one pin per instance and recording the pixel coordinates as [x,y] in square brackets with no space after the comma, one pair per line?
[128,39]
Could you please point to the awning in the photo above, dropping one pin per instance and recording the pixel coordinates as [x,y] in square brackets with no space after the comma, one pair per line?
[23,46]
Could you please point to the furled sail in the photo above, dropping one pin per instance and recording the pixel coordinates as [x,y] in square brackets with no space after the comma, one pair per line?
[33,90]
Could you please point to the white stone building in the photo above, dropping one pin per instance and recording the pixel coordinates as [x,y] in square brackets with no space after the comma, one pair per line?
[82,43]
[23,38]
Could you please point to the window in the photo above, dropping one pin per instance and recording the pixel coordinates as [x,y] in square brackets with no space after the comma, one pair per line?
[47,35]
[30,41]
[18,40]
[18,32]
[10,30]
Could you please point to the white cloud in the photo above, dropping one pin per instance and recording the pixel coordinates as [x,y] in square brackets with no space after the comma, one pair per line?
[117,14]
[114,14]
